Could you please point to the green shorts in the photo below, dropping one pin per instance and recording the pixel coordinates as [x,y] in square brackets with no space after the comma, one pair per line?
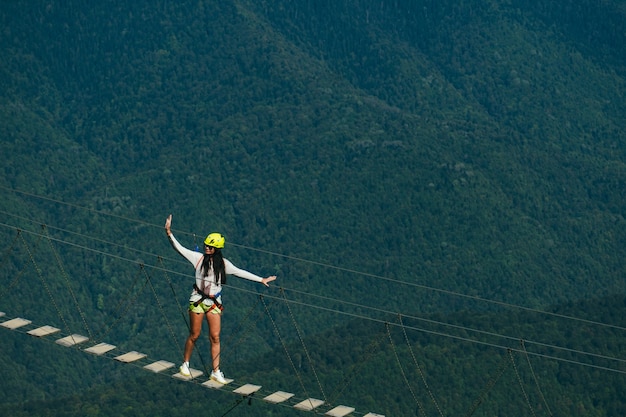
[203,308]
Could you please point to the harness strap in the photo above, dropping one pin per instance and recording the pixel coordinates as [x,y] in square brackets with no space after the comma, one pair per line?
[205,296]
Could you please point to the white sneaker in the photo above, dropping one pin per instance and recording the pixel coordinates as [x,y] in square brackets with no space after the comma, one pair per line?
[218,376]
[184,369]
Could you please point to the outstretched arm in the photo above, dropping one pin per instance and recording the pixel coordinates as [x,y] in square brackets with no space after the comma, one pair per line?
[242,273]
[267,280]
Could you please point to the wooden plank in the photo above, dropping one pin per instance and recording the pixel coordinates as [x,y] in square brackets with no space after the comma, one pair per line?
[216,385]
[43,331]
[247,389]
[72,340]
[278,397]
[159,366]
[340,411]
[100,348]
[130,357]
[194,374]
[373,415]
[308,404]
[15,323]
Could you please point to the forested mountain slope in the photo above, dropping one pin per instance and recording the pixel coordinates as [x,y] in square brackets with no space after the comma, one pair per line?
[442,159]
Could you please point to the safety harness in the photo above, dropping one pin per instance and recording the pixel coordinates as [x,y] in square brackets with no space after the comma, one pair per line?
[204,296]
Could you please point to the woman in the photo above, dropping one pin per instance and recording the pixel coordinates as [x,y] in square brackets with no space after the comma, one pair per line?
[206,300]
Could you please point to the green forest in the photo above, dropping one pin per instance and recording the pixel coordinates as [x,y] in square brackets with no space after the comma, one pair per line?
[439,186]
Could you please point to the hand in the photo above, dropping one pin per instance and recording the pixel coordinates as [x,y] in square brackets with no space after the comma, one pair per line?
[168,224]
[267,280]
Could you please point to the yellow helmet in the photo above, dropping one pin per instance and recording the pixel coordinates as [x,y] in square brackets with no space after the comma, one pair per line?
[216,240]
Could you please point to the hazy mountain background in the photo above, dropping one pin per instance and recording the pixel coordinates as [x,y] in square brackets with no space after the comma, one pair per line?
[458,163]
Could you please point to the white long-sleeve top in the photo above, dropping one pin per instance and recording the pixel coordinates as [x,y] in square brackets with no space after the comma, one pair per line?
[207,284]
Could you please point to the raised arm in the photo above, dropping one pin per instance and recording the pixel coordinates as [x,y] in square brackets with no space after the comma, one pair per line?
[190,255]
[168,225]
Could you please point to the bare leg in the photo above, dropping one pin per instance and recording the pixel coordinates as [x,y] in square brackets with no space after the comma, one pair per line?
[215,327]
[195,327]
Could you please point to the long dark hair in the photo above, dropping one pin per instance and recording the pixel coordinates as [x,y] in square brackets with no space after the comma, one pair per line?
[215,261]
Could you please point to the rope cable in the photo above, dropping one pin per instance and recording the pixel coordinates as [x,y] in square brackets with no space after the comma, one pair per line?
[66,278]
[306,351]
[504,363]
[419,368]
[521,384]
[171,284]
[406,379]
[44,282]
[532,371]
[284,345]
[161,309]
